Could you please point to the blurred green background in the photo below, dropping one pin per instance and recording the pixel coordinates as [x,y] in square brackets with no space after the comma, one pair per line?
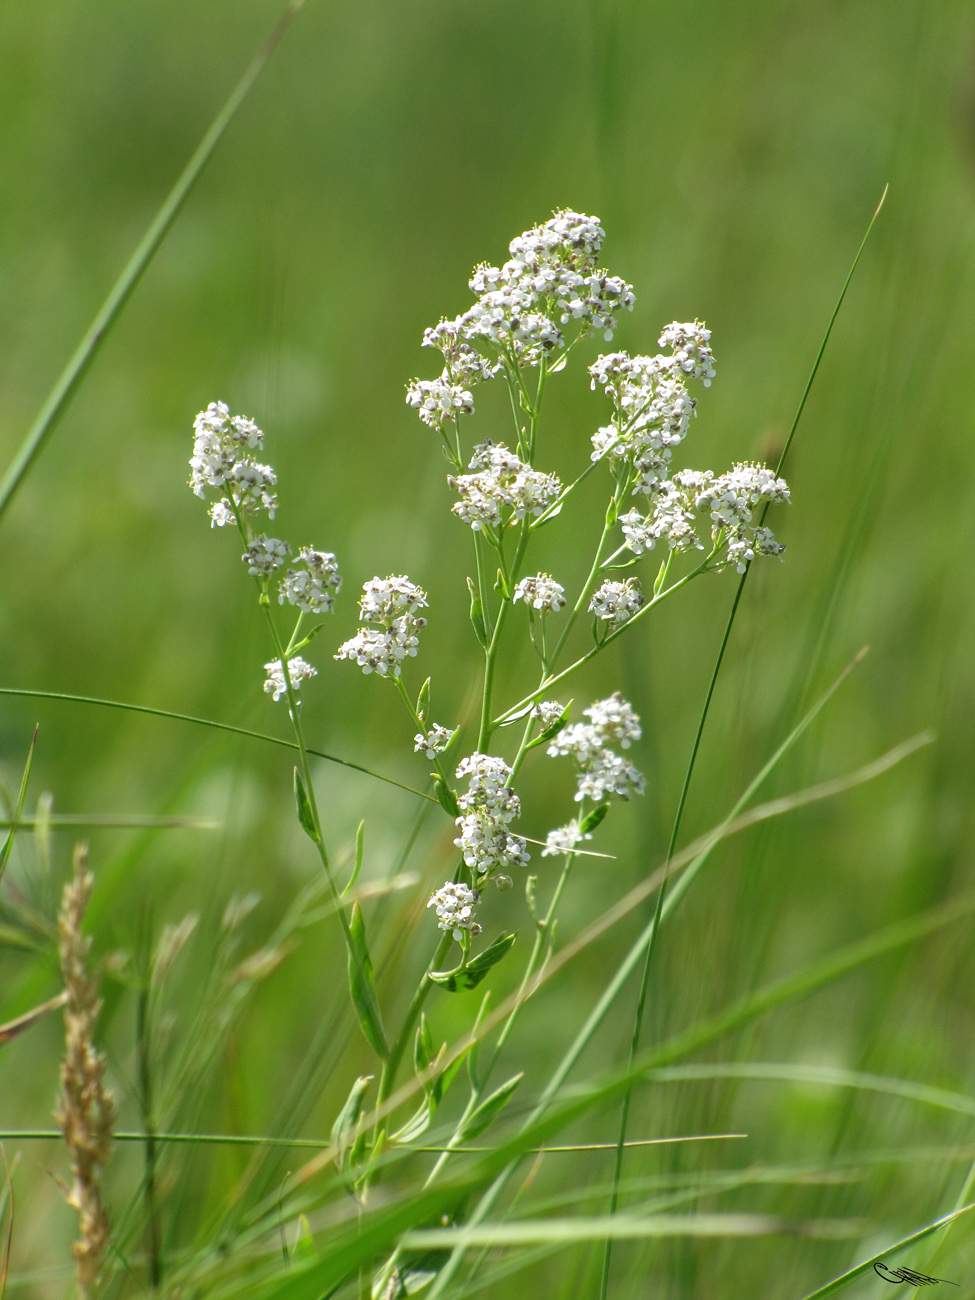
[735,154]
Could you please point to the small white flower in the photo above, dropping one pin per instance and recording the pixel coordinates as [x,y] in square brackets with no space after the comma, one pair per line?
[221,443]
[731,499]
[690,349]
[221,514]
[541,592]
[502,489]
[487,806]
[563,840]
[616,602]
[604,773]
[548,713]
[264,555]
[439,400]
[311,588]
[434,741]
[298,671]
[455,908]
[387,606]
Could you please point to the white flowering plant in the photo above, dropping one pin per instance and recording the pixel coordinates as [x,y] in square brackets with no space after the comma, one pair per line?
[529,317]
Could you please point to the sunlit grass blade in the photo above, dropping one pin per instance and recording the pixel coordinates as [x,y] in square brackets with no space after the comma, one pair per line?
[827,1075]
[215,726]
[8,843]
[76,369]
[838,1283]
[629,1227]
[113,821]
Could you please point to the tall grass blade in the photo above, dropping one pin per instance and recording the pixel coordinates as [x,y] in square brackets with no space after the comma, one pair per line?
[695,747]
[8,843]
[76,369]
[844,1279]
[209,722]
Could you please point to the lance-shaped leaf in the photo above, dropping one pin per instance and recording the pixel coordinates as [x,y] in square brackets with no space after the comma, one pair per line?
[423,1047]
[304,809]
[457,981]
[592,820]
[343,1130]
[448,799]
[359,842]
[362,984]
[488,1111]
[477,614]
[416,1125]
[554,728]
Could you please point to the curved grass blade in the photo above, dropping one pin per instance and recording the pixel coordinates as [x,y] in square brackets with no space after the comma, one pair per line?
[76,369]
[829,1076]
[8,843]
[209,722]
[702,722]
[844,1279]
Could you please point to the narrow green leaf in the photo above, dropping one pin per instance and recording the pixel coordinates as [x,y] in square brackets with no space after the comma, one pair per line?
[362,985]
[304,810]
[416,1126]
[501,585]
[9,841]
[447,797]
[359,841]
[489,1110]
[446,1077]
[423,1045]
[558,725]
[423,701]
[593,819]
[476,969]
[477,614]
[348,1118]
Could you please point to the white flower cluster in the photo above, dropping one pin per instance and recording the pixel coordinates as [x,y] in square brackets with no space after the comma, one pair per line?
[298,670]
[617,602]
[434,741]
[550,280]
[604,773]
[541,592]
[563,839]
[388,606]
[731,499]
[311,588]
[501,489]
[486,809]
[455,909]
[672,518]
[264,555]
[221,460]
[439,400]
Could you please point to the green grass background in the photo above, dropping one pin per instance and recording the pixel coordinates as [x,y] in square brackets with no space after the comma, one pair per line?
[735,154]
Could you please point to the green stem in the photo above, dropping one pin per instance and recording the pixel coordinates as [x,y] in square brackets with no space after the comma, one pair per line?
[543,937]
[392,1063]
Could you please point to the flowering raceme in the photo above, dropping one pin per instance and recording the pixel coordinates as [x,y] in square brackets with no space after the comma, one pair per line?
[529,313]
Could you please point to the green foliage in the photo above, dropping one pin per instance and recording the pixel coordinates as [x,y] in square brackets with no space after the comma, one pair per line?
[362,985]
[469,976]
